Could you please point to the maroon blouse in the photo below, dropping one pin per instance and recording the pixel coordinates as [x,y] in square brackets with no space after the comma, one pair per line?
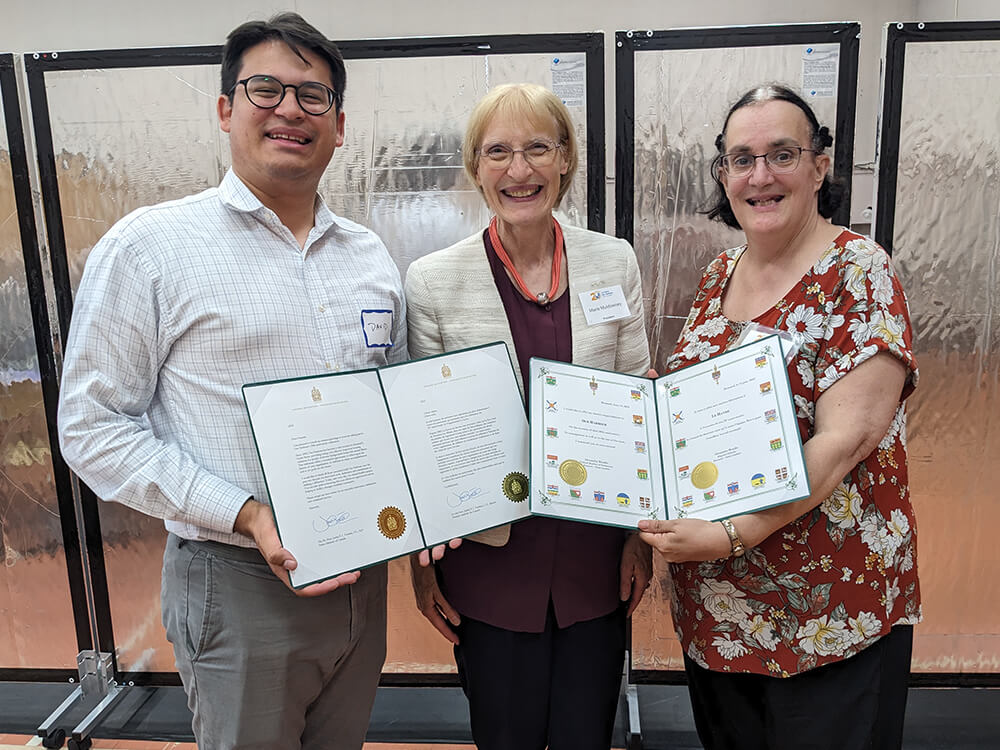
[573,565]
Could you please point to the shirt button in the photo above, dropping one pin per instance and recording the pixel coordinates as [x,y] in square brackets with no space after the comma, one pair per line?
[322,308]
[548,308]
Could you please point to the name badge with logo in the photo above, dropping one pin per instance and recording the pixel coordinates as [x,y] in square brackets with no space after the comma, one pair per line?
[604,305]
[377,327]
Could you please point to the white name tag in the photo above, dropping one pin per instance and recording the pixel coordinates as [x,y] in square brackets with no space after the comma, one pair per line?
[604,305]
[377,327]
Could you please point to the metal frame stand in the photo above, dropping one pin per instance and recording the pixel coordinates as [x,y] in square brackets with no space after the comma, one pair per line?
[96,669]
[633,724]
[97,686]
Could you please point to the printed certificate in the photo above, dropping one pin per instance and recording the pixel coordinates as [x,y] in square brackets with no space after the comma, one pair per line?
[365,466]
[712,440]
[463,436]
[594,445]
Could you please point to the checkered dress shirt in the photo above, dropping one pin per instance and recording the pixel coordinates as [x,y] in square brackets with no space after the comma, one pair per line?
[180,305]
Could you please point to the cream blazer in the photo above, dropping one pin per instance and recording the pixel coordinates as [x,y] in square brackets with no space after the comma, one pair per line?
[452,303]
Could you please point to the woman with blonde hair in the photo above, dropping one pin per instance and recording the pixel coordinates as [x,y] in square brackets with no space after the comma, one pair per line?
[537,611]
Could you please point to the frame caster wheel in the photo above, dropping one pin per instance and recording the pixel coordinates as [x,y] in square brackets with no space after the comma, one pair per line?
[54,739]
[83,744]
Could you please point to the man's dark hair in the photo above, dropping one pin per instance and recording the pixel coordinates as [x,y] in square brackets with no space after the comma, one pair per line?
[293,30]
[831,192]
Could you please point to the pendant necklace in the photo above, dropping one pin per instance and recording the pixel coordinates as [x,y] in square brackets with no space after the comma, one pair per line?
[542,298]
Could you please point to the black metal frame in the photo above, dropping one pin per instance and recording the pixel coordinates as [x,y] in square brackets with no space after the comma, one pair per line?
[37,65]
[898,35]
[627,43]
[47,366]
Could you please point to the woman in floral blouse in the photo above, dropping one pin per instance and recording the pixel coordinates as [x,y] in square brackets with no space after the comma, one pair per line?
[796,621]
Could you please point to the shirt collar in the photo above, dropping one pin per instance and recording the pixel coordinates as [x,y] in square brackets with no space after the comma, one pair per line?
[235,194]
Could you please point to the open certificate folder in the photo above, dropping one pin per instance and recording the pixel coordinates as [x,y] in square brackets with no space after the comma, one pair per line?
[365,466]
[711,440]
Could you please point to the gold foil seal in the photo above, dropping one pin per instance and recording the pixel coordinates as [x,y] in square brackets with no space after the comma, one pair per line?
[704,475]
[573,472]
[391,522]
[515,486]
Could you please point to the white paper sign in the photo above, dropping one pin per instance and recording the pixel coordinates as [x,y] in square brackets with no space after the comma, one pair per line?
[569,78]
[820,63]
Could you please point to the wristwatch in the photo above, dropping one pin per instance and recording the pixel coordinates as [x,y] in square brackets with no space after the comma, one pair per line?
[736,544]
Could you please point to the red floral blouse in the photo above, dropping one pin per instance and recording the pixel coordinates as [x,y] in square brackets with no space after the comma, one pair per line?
[832,582]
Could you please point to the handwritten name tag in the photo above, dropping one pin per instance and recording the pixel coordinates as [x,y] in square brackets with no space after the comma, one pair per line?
[604,305]
[377,327]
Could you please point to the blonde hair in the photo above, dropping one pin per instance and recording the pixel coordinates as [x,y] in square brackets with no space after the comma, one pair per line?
[525,102]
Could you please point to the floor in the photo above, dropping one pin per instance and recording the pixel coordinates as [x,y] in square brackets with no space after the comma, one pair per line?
[15,742]
[966,718]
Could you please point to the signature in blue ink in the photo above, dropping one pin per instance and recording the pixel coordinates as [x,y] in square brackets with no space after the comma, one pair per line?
[323,523]
[457,498]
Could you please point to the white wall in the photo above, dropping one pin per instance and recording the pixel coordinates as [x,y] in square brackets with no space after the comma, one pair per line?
[39,25]
[955,10]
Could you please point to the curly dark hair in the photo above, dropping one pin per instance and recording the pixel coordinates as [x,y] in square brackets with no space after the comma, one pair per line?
[832,191]
[298,34]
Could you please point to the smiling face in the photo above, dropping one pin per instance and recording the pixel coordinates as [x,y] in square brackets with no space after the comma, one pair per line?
[280,150]
[764,202]
[520,194]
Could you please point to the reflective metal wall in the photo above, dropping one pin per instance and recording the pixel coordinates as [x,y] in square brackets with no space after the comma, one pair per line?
[36,622]
[946,246]
[123,137]
[681,97]
[400,171]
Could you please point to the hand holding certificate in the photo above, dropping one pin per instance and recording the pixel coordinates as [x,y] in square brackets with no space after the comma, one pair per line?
[709,441]
[365,466]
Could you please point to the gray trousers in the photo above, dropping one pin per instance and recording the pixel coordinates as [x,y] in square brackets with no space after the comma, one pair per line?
[263,668]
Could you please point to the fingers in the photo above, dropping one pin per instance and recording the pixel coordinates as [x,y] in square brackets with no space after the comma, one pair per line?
[643,576]
[437,610]
[435,553]
[436,619]
[657,541]
[625,584]
[651,373]
[656,527]
[325,587]
[449,612]
[637,593]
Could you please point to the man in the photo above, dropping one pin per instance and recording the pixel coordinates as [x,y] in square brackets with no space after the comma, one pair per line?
[180,305]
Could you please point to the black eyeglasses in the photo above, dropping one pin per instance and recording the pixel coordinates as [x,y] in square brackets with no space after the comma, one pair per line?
[268,92]
[779,161]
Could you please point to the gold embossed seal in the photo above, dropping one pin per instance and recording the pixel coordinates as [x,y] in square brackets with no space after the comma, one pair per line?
[573,472]
[704,475]
[515,486]
[391,522]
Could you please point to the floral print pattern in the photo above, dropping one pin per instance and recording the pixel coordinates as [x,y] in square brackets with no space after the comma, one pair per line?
[835,580]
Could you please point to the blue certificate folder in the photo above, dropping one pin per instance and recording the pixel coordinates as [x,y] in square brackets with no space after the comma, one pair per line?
[711,440]
[365,466]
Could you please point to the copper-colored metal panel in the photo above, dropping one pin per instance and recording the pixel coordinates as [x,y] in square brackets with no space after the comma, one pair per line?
[36,623]
[946,246]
